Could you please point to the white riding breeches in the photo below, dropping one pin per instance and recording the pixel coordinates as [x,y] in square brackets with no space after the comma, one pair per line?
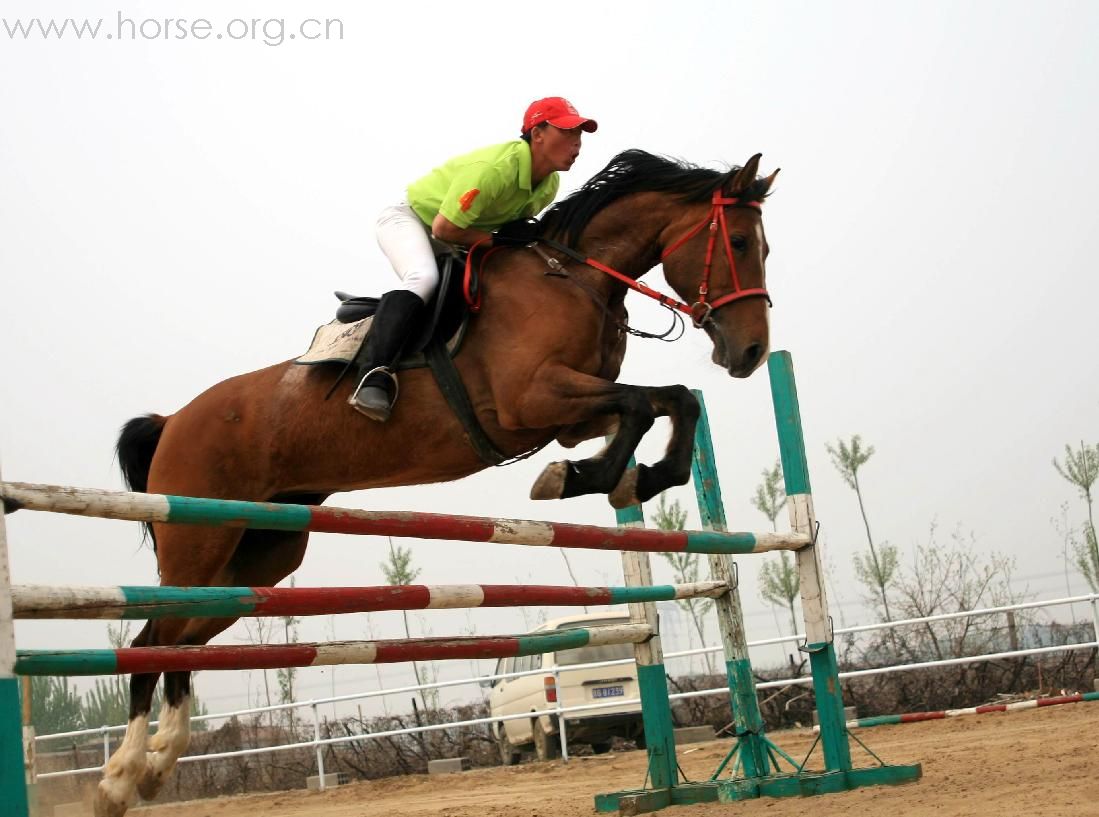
[406,242]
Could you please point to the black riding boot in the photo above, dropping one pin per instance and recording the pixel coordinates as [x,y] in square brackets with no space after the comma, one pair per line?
[378,357]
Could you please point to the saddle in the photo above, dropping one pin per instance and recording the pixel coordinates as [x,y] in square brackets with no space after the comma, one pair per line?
[434,345]
[444,320]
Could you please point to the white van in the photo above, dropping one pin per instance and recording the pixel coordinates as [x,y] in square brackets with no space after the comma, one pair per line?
[530,693]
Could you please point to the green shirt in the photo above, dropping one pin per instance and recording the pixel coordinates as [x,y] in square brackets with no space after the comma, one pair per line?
[483,189]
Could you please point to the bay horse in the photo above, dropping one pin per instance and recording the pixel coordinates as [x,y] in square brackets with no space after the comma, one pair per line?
[539,361]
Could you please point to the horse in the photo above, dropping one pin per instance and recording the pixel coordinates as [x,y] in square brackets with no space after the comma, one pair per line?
[539,361]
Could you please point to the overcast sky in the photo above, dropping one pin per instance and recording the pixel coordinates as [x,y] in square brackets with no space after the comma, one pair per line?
[176,212]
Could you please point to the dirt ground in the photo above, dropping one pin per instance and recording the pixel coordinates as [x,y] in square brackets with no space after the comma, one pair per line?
[1035,763]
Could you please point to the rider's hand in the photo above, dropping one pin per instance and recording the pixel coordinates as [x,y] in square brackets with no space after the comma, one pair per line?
[516,233]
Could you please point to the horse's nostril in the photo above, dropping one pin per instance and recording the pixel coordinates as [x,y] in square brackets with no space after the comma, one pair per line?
[752,355]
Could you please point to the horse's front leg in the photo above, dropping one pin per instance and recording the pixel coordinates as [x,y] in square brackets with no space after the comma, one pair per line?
[601,473]
[642,483]
[564,396]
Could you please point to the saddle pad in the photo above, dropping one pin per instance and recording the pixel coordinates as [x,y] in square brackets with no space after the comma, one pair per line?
[337,342]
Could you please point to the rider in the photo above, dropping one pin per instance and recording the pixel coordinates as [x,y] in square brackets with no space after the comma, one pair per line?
[498,188]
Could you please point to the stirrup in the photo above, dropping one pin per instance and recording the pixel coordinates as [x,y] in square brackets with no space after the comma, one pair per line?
[362,382]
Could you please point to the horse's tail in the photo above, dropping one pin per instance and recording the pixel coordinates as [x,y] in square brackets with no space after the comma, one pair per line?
[136,446]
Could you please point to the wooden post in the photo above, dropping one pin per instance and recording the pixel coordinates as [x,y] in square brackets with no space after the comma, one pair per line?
[13,785]
[1012,631]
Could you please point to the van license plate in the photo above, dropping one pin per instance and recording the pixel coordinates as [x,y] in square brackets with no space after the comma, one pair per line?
[608,692]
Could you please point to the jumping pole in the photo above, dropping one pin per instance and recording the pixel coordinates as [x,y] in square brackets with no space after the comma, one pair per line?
[137,507]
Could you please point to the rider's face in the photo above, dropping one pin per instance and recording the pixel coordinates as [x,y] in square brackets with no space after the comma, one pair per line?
[559,147]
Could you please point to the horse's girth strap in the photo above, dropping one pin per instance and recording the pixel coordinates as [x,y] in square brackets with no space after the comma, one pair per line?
[454,390]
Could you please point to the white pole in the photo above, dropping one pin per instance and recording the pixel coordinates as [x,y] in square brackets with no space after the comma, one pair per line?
[320,748]
[560,716]
[1095,624]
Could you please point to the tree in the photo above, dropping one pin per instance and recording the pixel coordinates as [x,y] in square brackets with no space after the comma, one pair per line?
[429,671]
[669,517]
[780,585]
[1068,539]
[260,631]
[951,578]
[287,675]
[572,575]
[55,706]
[877,571]
[770,496]
[778,580]
[1081,468]
[1087,558]
[398,570]
[685,569]
[377,667]
[107,703]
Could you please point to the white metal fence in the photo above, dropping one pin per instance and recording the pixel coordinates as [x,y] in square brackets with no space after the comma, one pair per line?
[318,743]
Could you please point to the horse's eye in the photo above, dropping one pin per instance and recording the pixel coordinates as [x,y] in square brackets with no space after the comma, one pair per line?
[740,244]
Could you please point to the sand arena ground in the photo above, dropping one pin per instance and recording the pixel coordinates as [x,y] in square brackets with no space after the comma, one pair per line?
[1035,763]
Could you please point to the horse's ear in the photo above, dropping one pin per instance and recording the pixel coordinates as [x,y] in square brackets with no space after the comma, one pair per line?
[769,181]
[745,176]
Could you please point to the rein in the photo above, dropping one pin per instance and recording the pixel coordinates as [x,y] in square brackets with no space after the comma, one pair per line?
[700,311]
[556,268]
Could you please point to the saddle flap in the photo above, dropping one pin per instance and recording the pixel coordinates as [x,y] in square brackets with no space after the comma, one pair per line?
[445,318]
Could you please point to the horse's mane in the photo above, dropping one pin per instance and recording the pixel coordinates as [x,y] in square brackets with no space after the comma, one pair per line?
[635,171]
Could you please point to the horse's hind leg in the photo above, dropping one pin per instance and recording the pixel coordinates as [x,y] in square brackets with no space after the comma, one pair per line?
[128,768]
[118,787]
[173,734]
[261,559]
[186,557]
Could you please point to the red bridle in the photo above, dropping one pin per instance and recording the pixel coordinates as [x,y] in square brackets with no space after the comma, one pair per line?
[700,310]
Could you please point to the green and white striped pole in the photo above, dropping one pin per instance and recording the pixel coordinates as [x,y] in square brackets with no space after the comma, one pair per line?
[742,689]
[13,785]
[814,602]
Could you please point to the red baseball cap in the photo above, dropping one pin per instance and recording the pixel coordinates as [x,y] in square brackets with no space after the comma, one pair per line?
[559,112]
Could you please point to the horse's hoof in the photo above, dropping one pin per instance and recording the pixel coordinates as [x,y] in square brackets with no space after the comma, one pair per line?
[625,492]
[150,784]
[107,806]
[551,482]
